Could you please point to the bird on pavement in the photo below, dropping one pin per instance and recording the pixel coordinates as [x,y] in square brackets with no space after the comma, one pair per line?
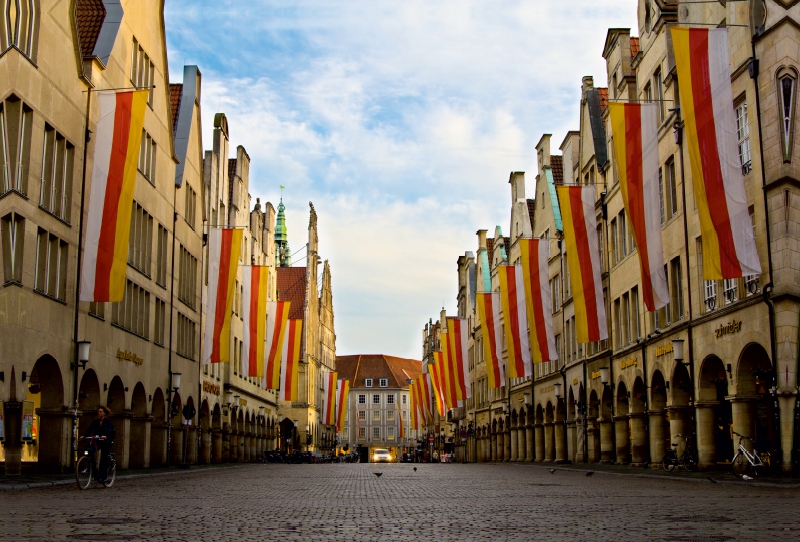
[552,471]
[590,473]
[378,474]
[746,478]
[415,469]
[712,480]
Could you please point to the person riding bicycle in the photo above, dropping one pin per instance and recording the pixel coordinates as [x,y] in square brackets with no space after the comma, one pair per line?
[103,428]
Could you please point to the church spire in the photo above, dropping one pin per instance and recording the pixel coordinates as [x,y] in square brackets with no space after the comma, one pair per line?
[283,255]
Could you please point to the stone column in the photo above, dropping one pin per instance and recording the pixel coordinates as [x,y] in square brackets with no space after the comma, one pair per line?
[743,420]
[560,434]
[639,452]
[786,405]
[205,455]
[514,444]
[606,440]
[593,439]
[122,440]
[13,442]
[493,446]
[529,449]
[176,446]
[521,442]
[539,443]
[54,444]
[549,443]
[706,434]
[658,435]
[679,424]
[216,446]
[571,436]
[580,440]
[242,457]
[227,443]
[623,441]
[507,444]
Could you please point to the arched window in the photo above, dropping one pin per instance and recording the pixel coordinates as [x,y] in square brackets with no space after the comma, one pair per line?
[787,88]
[20,23]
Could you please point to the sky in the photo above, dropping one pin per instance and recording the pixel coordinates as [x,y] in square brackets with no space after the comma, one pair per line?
[400,120]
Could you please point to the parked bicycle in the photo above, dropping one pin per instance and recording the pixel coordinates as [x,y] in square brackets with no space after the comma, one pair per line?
[745,461]
[687,460]
[87,466]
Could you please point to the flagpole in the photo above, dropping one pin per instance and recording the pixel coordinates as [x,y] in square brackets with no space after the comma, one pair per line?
[171,318]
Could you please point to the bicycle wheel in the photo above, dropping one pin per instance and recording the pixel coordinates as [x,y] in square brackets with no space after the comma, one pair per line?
[83,472]
[740,464]
[668,461]
[112,473]
[689,460]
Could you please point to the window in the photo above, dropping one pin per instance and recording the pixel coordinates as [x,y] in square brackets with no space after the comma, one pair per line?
[383,382]
[51,265]
[362,433]
[362,399]
[133,312]
[613,240]
[672,185]
[15,144]
[405,399]
[390,433]
[676,287]
[140,239]
[98,310]
[618,321]
[186,338]
[161,322]
[751,281]
[362,415]
[662,205]
[566,281]
[555,293]
[367,382]
[187,278]
[623,236]
[13,231]
[659,88]
[142,69]
[161,256]
[786,92]
[376,399]
[56,183]
[376,416]
[743,135]
[600,247]
[190,205]
[626,318]
[729,290]
[19,26]
[390,399]
[376,433]
[635,328]
[147,157]
[390,416]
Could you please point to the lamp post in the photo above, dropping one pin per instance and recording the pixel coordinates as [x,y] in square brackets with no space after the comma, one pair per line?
[175,384]
[677,351]
[83,359]
[295,435]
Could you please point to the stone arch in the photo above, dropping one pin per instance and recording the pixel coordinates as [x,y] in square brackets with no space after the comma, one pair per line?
[753,409]
[623,401]
[607,402]
[158,429]
[638,397]
[514,418]
[638,422]
[570,405]
[539,414]
[115,400]
[549,414]
[46,392]
[658,391]
[680,386]
[138,434]
[88,398]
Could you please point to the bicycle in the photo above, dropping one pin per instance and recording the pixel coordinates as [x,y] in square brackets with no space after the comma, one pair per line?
[745,461]
[88,465]
[687,460]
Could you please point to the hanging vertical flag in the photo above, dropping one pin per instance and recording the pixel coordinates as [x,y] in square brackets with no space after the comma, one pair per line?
[224,245]
[402,431]
[414,415]
[488,306]
[254,319]
[434,385]
[636,149]
[108,220]
[535,257]
[457,334]
[583,257]
[703,64]
[277,317]
[343,390]
[423,402]
[329,398]
[290,361]
[515,321]
[447,372]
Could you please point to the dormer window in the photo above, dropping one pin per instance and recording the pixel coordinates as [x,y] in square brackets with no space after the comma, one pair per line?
[367,382]
[384,382]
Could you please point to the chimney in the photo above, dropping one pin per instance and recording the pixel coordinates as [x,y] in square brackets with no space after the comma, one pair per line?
[481,239]
[517,182]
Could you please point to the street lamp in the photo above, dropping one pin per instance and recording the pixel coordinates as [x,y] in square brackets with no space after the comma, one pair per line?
[176,381]
[604,379]
[235,406]
[83,353]
[677,351]
[557,388]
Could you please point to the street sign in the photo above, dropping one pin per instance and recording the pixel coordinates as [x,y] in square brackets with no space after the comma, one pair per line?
[430,438]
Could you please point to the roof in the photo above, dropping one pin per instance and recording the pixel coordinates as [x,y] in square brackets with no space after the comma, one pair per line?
[597,124]
[531,211]
[90,15]
[175,91]
[557,165]
[231,168]
[489,244]
[551,187]
[291,286]
[634,47]
[396,370]
[602,94]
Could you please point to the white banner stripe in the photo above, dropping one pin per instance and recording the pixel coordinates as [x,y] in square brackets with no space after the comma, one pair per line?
[522,318]
[547,299]
[214,250]
[497,315]
[247,278]
[588,198]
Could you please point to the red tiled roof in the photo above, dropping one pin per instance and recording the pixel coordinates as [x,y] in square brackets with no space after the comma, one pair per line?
[557,167]
[531,210]
[489,246]
[602,93]
[634,47]
[175,103]
[396,370]
[291,286]
[90,16]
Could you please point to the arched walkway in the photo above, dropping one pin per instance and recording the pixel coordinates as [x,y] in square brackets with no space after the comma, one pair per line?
[50,425]
[637,423]
[657,417]
[622,431]
[714,414]
[158,430]
[753,408]
[115,401]
[140,425]
[88,399]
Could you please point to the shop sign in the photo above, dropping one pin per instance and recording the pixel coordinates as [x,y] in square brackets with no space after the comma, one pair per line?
[631,362]
[242,402]
[2,423]
[208,387]
[725,329]
[129,356]
[520,398]
[595,375]
[27,420]
[663,350]
[547,389]
[575,381]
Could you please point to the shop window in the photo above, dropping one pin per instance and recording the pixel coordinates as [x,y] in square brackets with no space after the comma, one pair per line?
[13,231]
[15,144]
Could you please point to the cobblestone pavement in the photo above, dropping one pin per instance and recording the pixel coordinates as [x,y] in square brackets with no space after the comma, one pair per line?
[437,502]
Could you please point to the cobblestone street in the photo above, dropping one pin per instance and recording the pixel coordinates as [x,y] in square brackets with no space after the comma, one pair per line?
[437,502]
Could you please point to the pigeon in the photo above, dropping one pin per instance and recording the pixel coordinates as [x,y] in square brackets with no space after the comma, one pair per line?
[415,469]
[746,478]
[378,474]
[590,473]
[552,471]
[712,480]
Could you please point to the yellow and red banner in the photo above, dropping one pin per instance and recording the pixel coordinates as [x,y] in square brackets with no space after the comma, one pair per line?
[402,431]
[449,387]
[414,403]
[702,60]
[118,135]
[635,129]
[458,353]
[434,382]
[583,257]
[290,361]
[424,399]
[277,317]
[488,306]
[515,321]
[343,391]
[329,398]
[254,319]
[534,258]
[224,245]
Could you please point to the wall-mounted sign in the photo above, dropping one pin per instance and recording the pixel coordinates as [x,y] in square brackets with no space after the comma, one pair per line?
[575,381]
[242,402]
[28,429]
[520,397]
[596,375]
[213,389]
[663,350]
[547,389]
[631,362]
[731,327]
[129,356]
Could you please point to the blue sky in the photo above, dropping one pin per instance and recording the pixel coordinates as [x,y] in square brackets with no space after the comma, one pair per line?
[400,120]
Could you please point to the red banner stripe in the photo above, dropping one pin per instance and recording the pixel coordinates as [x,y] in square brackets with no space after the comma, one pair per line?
[490,323]
[222,289]
[584,261]
[513,302]
[538,306]
[252,355]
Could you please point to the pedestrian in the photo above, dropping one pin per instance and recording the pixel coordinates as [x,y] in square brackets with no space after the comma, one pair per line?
[102,427]
[435,457]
